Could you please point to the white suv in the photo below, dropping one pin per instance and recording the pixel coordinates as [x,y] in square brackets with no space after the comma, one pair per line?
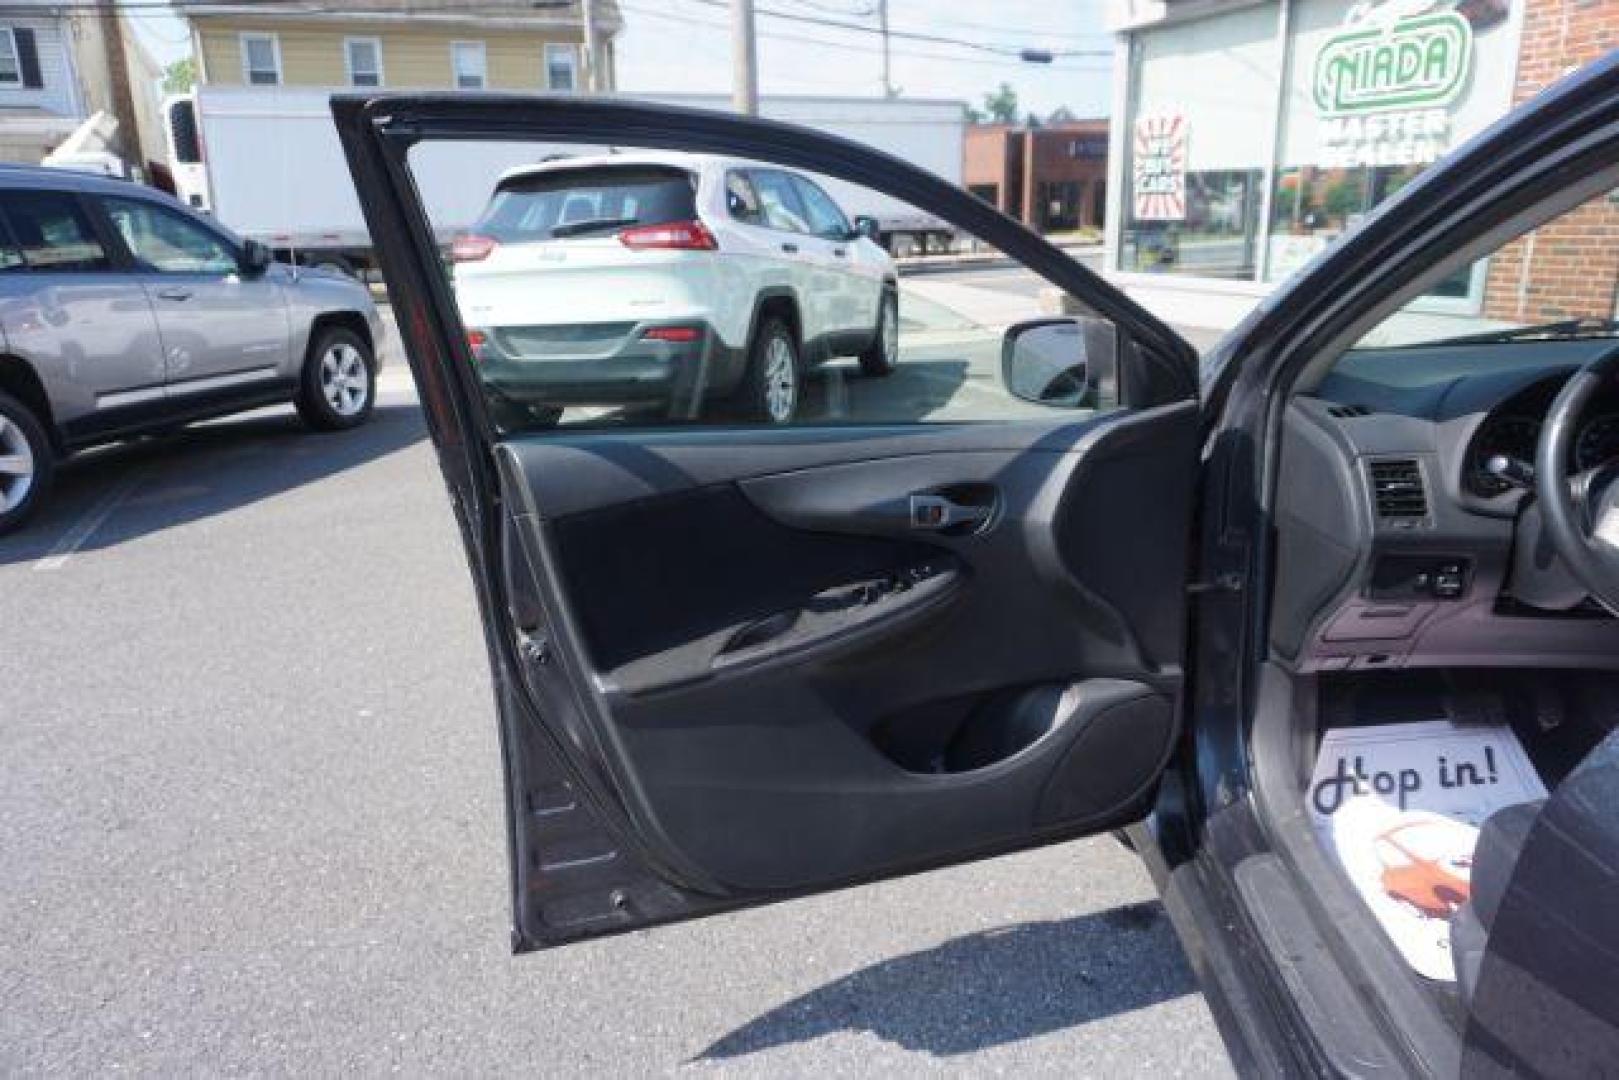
[668,280]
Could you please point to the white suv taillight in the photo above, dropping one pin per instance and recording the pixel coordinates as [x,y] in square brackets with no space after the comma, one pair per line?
[675,235]
[471,247]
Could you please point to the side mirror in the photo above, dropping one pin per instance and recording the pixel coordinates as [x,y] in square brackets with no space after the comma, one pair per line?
[256,258]
[868,227]
[1057,362]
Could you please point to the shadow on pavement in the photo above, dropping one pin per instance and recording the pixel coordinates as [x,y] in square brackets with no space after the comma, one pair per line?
[990,988]
[201,471]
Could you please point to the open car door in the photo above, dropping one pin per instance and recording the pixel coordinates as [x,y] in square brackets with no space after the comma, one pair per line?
[739,662]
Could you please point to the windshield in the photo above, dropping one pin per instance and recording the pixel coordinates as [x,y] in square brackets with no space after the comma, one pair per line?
[1553,283]
[580,202]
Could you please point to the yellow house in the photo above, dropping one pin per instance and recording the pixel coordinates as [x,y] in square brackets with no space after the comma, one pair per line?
[405,44]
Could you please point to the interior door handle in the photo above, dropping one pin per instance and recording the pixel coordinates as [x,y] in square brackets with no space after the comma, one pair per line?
[791,249]
[937,512]
[173,293]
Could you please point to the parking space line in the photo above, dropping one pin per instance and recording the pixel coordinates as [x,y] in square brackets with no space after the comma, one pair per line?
[83,529]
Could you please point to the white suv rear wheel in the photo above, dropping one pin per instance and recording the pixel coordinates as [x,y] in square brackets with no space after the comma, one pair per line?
[774,384]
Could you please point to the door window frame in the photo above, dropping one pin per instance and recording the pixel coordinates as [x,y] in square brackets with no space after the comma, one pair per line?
[1157,366]
[804,182]
[247,36]
[753,175]
[97,205]
[114,254]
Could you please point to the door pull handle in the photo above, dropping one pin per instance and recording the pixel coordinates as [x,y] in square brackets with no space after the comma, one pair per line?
[174,294]
[936,513]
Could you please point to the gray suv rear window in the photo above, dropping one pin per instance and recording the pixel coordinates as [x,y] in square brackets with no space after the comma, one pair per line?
[584,202]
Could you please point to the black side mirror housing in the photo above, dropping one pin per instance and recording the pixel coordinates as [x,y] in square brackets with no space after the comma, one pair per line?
[1059,362]
[256,258]
[868,227]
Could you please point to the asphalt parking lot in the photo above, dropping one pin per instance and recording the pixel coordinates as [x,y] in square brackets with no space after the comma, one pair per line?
[252,819]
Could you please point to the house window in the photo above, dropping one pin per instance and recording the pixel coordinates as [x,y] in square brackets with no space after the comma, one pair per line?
[10,67]
[261,59]
[471,64]
[561,68]
[363,56]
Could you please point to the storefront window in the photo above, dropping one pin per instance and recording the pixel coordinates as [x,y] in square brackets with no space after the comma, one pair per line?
[1373,96]
[1243,160]
[1204,97]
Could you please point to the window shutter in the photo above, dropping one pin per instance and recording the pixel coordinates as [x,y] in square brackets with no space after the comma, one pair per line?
[28,58]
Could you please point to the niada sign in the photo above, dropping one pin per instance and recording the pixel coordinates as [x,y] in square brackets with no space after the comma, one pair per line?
[1403,64]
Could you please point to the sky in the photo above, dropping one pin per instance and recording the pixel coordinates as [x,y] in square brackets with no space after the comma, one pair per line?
[685,45]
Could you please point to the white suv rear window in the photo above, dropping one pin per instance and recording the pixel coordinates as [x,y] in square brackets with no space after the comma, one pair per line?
[582,202]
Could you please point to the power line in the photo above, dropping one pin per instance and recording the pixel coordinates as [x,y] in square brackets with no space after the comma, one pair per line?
[865,11]
[1002,28]
[800,37]
[908,35]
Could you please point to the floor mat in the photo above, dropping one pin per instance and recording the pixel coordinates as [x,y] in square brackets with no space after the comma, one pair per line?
[1400,806]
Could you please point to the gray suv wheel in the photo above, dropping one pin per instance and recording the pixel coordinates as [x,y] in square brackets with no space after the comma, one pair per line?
[27,462]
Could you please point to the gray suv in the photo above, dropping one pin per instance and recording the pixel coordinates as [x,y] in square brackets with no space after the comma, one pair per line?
[124,313]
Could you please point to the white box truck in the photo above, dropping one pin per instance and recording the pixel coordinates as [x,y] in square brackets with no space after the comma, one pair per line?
[266,162]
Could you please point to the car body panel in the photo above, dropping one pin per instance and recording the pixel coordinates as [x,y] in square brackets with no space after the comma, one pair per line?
[706,643]
[117,350]
[93,339]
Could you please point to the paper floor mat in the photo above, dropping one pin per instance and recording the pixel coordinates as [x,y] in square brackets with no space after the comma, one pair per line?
[1399,805]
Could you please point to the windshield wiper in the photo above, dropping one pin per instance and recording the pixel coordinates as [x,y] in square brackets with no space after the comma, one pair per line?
[1562,329]
[590,225]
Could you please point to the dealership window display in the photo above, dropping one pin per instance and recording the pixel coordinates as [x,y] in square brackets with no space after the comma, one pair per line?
[1198,145]
[1341,105]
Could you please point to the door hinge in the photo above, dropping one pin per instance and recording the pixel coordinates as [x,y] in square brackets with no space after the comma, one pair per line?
[1229,582]
[534,648]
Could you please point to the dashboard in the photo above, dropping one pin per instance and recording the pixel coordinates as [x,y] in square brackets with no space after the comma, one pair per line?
[1398,546]
[1512,430]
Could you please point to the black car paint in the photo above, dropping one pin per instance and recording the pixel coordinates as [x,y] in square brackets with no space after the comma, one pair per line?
[1206,826]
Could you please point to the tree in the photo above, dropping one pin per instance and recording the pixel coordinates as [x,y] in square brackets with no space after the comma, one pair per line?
[1002,105]
[972,114]
[180,76]
[1061,115]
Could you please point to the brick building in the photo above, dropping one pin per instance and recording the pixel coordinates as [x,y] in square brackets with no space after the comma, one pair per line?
[1053,178]
[1570,266]
[1218,196]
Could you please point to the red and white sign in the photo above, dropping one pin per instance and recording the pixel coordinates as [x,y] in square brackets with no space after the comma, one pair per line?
[1159,168]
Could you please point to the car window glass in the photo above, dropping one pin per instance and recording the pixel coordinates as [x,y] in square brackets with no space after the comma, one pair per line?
[585,201]
[53,232]
[1554,282]
[166,242]
[779,198]
[10,254]
[741,200]
[825,219]
[599,291]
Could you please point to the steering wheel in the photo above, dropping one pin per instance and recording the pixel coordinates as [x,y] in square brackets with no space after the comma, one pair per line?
[1581,511]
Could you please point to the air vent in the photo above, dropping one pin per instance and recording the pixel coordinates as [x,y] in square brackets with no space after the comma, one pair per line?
[1345,411]
[1397,490]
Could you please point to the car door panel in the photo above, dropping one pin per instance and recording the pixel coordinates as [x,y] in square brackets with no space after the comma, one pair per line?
[74,313]
[220,328]
[853,737]
[735,664]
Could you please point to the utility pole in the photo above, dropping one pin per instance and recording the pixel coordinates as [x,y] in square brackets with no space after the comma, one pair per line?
[121,101]
[744,59]
[882,21]
[593,72]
